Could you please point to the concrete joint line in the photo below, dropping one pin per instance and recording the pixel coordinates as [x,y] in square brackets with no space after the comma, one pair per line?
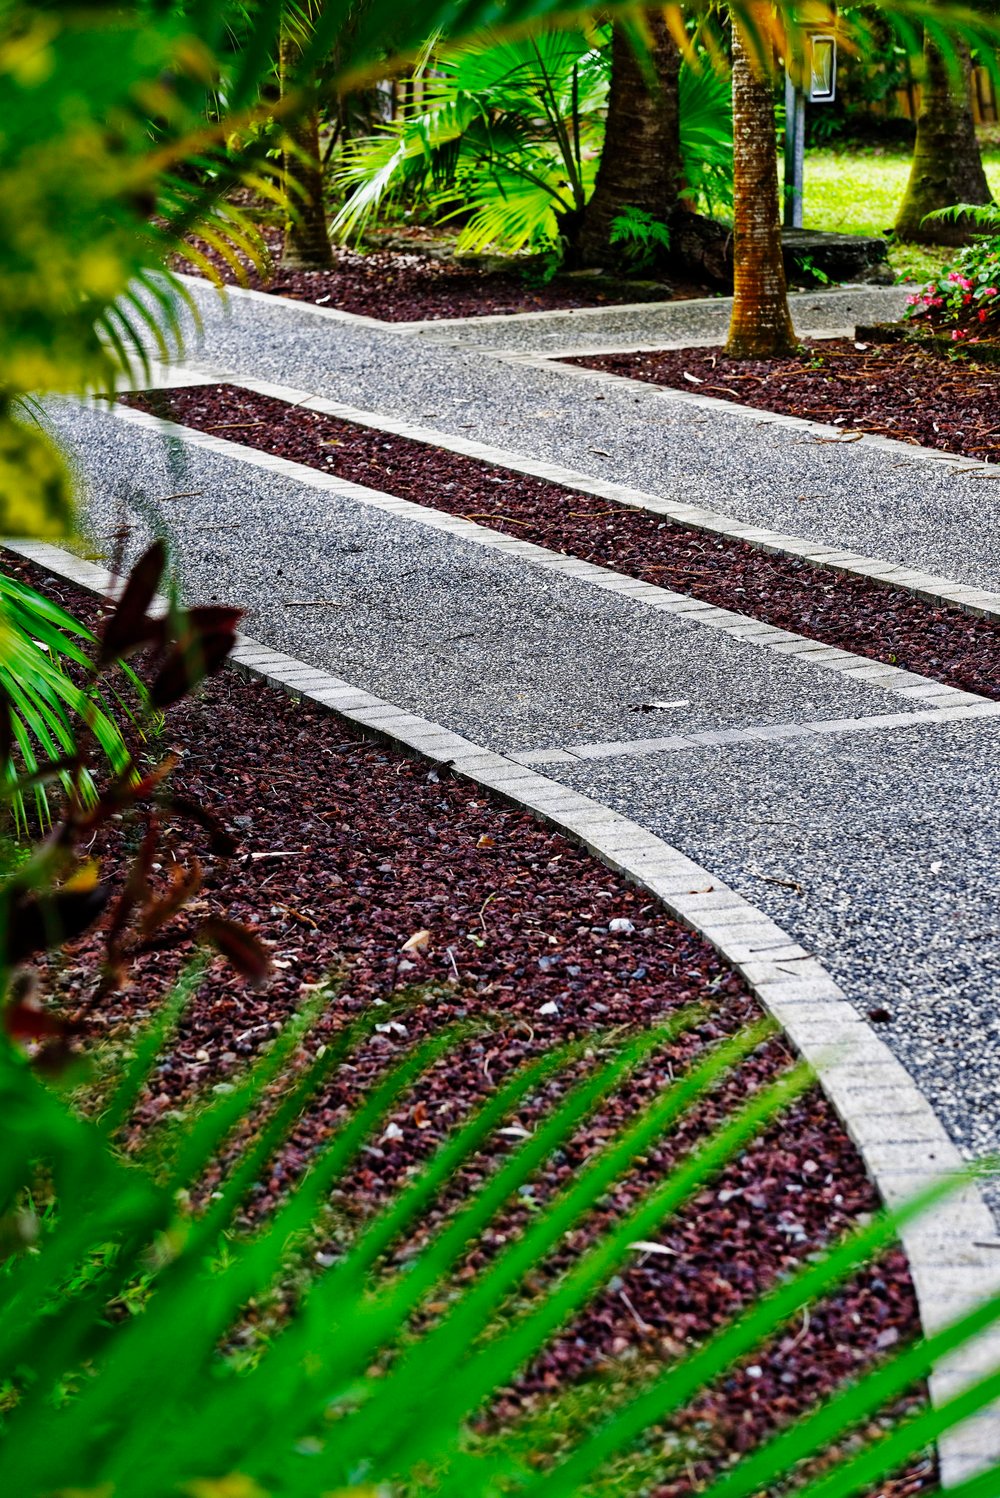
[887,678]
[723,738]
[980,603]
[854,1066]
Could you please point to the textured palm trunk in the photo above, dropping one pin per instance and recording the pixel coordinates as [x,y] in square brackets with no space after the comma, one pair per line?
[641,160]
[307,238]
[761,324]
[947,167]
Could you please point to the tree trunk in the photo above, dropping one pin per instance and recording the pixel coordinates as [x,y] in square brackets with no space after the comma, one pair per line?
[307,238]
[641,160]
[761,324]
[947,167]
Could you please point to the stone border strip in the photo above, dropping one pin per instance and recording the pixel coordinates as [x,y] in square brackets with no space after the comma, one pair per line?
[912,687]
[979,602]
[569,754]
[912,452]
[952,1251]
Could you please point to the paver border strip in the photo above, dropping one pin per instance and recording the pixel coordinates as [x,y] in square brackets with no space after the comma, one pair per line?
[951,1250]
[929,587]
[922,691]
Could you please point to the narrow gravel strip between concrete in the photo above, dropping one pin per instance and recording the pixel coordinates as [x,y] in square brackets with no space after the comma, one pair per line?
[952,1251]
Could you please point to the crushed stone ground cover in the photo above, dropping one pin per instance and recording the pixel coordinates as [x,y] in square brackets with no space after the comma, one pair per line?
[345,850]
[853,613]
[894,390]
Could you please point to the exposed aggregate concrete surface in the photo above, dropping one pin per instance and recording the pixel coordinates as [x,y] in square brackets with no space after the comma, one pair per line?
[871,848]
[883,500]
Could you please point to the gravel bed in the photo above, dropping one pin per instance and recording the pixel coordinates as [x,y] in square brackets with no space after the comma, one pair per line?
[895,389]
[408,286]
[521,941]
[849,612]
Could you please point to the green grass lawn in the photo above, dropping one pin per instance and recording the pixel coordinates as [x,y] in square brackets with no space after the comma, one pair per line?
[858,189]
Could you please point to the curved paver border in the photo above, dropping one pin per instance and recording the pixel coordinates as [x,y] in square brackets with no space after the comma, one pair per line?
[952,1251]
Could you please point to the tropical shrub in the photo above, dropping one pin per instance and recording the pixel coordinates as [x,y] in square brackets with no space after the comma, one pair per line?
[128,1356]
[51,691]
[506,140]
[965,297]
[639,236]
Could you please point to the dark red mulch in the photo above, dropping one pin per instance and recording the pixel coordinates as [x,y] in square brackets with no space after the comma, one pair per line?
[409,286]
[519,918]
[893,389]
[851,612]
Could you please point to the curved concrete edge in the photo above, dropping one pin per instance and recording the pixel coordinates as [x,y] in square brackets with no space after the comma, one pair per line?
[953,1251]
[927,586]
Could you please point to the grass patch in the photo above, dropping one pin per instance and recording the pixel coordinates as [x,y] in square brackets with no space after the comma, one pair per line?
[858,189]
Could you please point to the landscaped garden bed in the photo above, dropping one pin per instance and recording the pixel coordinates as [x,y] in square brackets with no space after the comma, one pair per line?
[847,611]
[410,285]
[896,390]
[399,879]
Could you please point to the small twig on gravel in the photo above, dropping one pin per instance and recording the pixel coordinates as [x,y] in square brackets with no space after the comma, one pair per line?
[785,883]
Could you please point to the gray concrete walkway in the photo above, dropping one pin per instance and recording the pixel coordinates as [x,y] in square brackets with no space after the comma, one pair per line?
[871,842]
[884,500]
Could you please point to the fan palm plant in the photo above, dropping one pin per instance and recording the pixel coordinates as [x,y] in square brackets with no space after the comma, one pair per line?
[374,1384]
[507,138]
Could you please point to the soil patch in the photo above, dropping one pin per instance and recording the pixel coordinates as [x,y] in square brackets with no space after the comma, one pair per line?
[345,850]
[895,389]
[409,286]
[850,612]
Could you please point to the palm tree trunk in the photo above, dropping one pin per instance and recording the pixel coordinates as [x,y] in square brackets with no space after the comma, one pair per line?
[307,238]
[761,324]
[947,167]
[641,160]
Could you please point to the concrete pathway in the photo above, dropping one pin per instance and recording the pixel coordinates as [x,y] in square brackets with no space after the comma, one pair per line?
[871,842]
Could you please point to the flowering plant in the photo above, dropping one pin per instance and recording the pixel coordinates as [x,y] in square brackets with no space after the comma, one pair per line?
[966,295]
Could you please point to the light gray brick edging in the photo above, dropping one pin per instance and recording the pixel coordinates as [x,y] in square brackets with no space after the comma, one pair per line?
[953,1251]
[921,691]
[928,586]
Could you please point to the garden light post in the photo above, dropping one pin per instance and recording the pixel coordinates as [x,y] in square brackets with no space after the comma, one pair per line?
[816,82]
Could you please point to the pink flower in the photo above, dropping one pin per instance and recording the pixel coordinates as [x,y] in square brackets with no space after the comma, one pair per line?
[965,283]
[991,291]
[936,301]
[911,301]
[957,333]
[954,276]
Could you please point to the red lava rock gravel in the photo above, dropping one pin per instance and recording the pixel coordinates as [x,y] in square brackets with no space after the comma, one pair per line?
[893,389]
[346,849]
[408,286]
[850,612]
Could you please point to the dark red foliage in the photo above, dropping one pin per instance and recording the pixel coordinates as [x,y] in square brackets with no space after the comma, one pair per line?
[853,613]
